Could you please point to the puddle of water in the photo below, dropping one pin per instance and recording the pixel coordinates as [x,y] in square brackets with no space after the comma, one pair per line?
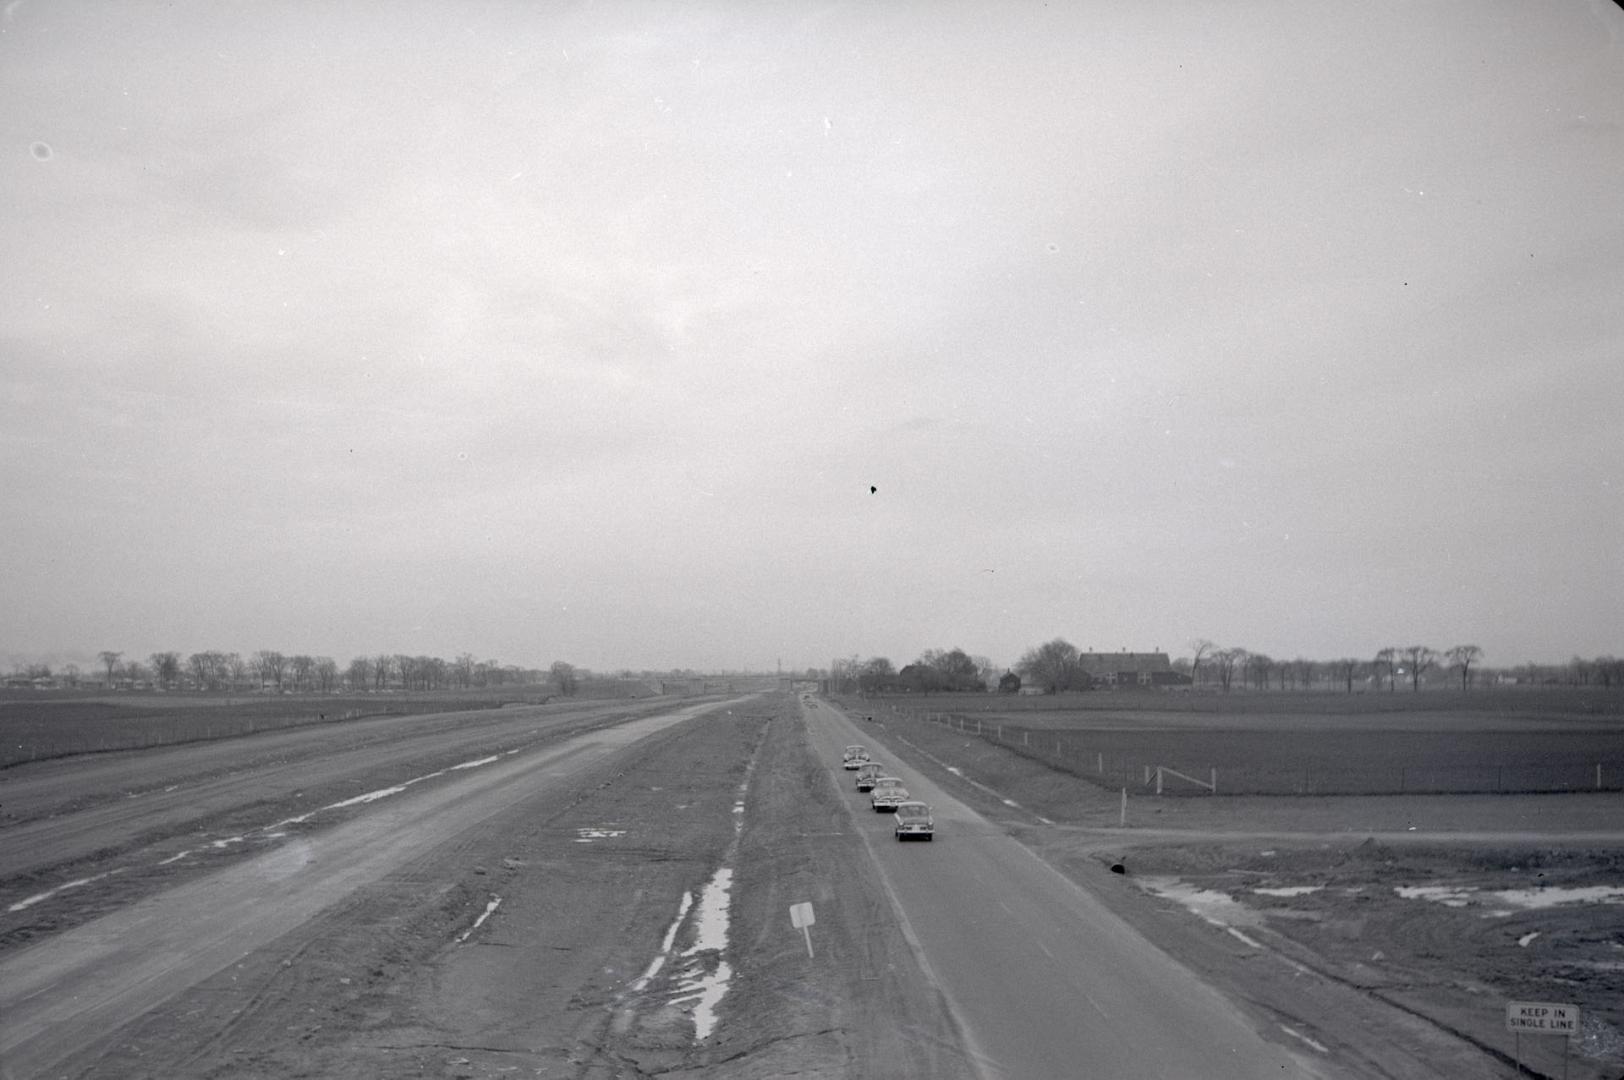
[711,990]
[1289,890]
[496,902]
[589,834]
[660,957]
[1459,896]
[1447,895]
[710,936]
[713,904]
[1551,896]
[1217,908]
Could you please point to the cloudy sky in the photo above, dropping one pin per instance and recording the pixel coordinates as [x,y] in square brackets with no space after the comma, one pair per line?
[714,334]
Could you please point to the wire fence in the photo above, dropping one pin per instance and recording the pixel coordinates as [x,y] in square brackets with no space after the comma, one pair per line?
[1206,763]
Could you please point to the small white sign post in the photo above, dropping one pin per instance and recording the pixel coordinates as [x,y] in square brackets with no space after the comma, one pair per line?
[801,917]
[1542,1018]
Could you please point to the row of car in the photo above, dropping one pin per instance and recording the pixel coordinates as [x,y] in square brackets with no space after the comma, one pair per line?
[886,793]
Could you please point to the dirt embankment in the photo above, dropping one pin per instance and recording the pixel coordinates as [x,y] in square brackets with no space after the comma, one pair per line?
[578,936]
[1288,903]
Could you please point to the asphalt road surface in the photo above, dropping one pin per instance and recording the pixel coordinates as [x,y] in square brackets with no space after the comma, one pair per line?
[68,989]
[1043,979]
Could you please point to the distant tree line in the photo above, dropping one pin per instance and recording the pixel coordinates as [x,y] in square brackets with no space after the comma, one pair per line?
[1057,665]
[271,671]
[1388,668]
[936,671]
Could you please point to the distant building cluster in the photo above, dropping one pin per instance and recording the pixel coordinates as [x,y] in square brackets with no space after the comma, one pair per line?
[1125,670]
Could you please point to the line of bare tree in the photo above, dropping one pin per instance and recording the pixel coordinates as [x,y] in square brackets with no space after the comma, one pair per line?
[1389,667]
[270,670]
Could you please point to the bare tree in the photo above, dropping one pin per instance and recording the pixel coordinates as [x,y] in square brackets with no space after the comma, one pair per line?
[110,661]
[1463,657]
[1387,660]
[1225,661]
[165,668]
[562,675]
[1053,665]
[326,672]
[238,668]
[71,675]
[1346,669]
[1201,647]
[382,665]
[1418,658]
[359,673]
[302,668]
[1258,666]
[462,670]
[271,667]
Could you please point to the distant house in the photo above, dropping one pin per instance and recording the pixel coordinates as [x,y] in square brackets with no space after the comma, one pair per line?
[1130,670]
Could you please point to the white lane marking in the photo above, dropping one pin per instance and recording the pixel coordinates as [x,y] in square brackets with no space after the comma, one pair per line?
[1236,933]
[381,793]
[425,776]
[1321,1047]
[176,858]
[37,897]
[477,763]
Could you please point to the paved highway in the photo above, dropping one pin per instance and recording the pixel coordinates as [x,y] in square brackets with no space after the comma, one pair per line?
[1044,980]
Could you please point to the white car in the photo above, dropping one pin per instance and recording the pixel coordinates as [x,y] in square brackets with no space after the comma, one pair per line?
[913,819]
[853,757]
[888,794]
[867,773]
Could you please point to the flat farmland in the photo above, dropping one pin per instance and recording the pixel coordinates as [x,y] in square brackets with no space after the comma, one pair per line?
[37,726]
[1304,744]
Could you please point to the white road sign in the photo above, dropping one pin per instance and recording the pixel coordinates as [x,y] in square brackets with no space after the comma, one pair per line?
[801,917]
[1541,1018]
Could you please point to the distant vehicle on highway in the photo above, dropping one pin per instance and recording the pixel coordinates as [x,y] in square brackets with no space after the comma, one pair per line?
[853,757]
[888,794]
[914,820]
[867,773]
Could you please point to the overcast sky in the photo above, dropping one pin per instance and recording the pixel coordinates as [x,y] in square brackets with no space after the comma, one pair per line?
[713,334]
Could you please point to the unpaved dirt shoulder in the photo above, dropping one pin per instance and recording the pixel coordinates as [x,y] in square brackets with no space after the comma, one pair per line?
[593,960]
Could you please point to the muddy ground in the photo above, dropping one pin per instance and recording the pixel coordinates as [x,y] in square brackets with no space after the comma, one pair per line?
[1353,952]
[577,936]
